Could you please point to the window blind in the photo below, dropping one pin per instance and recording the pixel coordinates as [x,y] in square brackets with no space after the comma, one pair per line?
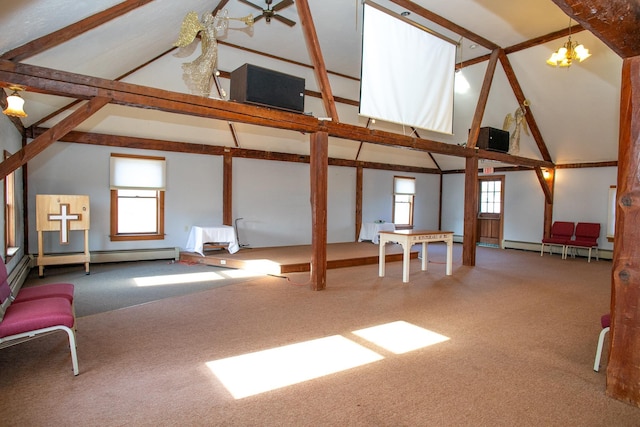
[137,173]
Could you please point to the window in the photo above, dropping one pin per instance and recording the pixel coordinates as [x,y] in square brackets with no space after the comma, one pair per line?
[490,197]
[10,212]
[404,190]
[137,197]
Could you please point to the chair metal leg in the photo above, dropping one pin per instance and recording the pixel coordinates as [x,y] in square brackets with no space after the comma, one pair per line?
[596,363]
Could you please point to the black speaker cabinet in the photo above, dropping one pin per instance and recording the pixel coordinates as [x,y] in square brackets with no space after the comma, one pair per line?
[493,139]
[255,85]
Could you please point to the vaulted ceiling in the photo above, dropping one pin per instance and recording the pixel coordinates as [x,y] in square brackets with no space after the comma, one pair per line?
[575,110]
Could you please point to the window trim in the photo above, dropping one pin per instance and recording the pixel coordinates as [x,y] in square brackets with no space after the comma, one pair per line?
[412,201]
[121,237]
[113,215]
[10,212]
[482,179]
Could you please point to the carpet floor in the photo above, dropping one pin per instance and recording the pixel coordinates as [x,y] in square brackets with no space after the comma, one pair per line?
[512,344]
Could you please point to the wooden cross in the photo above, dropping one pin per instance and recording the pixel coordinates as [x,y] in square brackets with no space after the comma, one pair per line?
[64,217]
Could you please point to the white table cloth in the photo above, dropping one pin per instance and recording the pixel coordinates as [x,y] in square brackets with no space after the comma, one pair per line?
[198,236]
[371,230]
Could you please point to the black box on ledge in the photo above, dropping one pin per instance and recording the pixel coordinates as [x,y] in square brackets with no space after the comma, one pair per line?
[255,85]
[493,139]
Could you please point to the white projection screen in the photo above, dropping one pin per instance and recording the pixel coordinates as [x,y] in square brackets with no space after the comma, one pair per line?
[407,74]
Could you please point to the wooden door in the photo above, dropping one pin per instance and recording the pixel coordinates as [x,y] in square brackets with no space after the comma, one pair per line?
[490,210]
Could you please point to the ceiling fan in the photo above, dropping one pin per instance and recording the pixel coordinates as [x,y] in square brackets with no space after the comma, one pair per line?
[271,12]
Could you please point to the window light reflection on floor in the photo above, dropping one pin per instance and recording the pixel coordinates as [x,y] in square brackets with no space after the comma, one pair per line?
[238,274]
[400,337]
[254,373]
[173,279]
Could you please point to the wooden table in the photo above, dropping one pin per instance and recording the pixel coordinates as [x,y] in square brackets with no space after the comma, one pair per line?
[408,238]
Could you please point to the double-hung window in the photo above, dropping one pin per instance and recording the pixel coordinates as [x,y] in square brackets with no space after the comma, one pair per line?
[137,197]
[404,190]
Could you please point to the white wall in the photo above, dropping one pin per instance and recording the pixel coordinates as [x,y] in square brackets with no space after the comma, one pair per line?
[523,207]
[273,198]
[453,203]
[581,195]
[194,193]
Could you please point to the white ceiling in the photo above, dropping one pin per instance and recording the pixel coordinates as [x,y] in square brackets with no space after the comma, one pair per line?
[576,109]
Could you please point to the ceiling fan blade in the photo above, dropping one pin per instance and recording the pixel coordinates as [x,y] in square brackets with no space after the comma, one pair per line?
[287,21]
[250,4]
[282,5]
[258,17]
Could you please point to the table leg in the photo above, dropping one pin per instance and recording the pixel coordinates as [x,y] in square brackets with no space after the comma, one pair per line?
[449,256]
[406,257]
[425,255]
[381,258]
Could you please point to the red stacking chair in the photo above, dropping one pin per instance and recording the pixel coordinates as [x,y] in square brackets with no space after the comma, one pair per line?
[586,237]
[561,232]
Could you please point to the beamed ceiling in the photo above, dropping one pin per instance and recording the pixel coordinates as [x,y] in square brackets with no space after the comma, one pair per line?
[105,72]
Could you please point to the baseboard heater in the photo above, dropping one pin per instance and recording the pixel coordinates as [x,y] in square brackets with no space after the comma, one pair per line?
[19,274]
[530,246]
[100,257]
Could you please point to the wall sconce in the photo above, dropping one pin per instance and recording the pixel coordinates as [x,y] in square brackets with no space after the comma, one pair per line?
[15,103]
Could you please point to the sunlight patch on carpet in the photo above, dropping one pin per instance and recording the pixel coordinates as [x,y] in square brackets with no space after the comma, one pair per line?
[262,371]
[173,279]
[238,274]
[400,337]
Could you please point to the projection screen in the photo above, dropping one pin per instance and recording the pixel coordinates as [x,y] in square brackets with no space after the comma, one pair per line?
[407,74]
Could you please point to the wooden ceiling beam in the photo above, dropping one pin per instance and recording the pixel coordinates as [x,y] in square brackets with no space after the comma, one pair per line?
[35,147]
[615,22]
[62,83]
[437,19]
[58,37]
[319,67]
[122,141]
[482,99]
[531,121]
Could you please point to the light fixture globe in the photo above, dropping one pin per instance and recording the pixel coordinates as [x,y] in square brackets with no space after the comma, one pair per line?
[15,104]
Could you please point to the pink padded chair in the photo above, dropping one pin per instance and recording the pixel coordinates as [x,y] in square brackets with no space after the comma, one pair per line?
[561,232]
[30,318]
[586,237]
[605,321]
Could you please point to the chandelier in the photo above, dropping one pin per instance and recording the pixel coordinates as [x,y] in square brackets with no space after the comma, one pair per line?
[569,52]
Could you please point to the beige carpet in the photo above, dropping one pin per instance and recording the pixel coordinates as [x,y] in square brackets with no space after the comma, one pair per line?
[522,335]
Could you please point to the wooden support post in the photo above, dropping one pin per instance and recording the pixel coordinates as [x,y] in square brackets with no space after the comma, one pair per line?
[359,171]
[319,165]
[470,212]
[227,191]
[548,201]
[623,370]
